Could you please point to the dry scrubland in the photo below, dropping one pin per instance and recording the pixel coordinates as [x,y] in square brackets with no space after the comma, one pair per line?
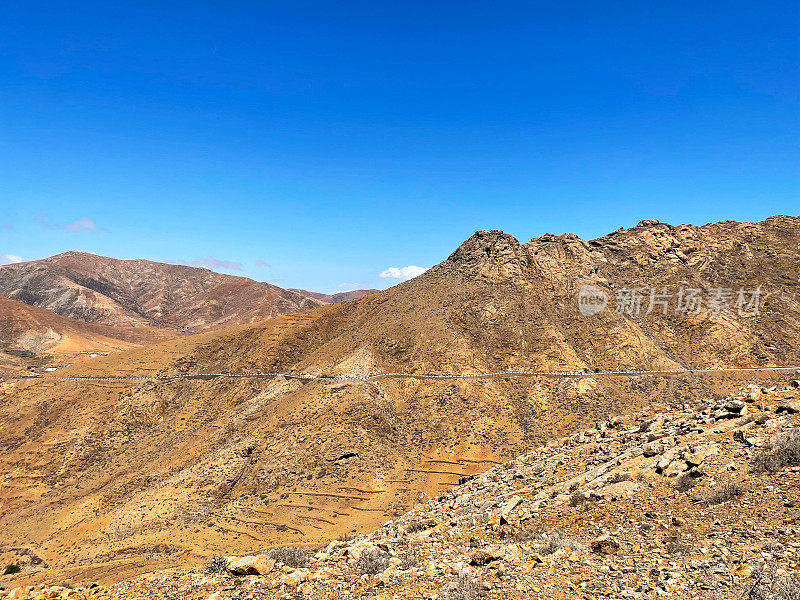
[103,482]
[700,502]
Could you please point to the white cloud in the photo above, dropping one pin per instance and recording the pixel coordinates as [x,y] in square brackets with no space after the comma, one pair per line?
[209,262]
[403,272]
[263,263]
[83,224]
[6,259]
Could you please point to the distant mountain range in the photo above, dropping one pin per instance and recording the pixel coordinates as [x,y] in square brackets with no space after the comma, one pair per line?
[335,298]
[92,303]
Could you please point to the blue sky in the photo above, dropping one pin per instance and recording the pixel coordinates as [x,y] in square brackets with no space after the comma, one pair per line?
[317,145]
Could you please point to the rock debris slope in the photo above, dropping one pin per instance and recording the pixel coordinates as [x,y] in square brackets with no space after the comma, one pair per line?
[697,502]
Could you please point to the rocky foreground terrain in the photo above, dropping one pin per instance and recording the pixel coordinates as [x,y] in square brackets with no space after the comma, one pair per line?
[698,502]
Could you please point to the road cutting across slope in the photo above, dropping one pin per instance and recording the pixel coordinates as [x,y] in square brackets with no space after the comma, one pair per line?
[304,376]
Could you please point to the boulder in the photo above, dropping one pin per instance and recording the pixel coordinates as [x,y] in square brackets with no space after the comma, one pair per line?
[296,577]
[355,551]
[508,507]
[696,456]
[604,544]
[260,564]
[619,490]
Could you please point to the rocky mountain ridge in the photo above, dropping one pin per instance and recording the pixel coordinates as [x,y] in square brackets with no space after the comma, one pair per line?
[136,293]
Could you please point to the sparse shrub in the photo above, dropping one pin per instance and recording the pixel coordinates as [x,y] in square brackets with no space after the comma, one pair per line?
[575,546]
[674,545]
[524,535]
[218,564]
[291,556]
[11,569]
[410,558]
[620,477]
[768,584]
[553,544]
[577,499]
[783,452]
[422,525]
[463,587]
[684,482]
[725,492]
[372,562]
[644,426]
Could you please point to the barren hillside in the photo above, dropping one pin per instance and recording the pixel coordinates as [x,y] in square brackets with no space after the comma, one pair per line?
[335,298]
[699,502]
[132,293]
[104,480]
[29,335]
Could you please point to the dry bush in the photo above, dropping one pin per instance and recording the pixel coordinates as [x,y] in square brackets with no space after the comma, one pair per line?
[554,543]
[422,525]
[783,452]
[218,564]
[684,482]
[291,556]
[768,584]
[727,491]
[620,477]
[372,562]
[463,587]
[578,499]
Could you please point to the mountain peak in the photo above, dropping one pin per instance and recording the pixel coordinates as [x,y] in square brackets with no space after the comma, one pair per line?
[492,255]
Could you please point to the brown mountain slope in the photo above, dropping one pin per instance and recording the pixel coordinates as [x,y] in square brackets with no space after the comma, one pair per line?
[132,293]
[335,298]
[28,331]
[117,473]
[698,502]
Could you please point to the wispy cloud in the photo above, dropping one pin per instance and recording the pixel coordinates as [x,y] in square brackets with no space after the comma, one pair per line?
[209,262]
[7,259]
[402,272]
[83,224]
[263,263]
[6,227]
